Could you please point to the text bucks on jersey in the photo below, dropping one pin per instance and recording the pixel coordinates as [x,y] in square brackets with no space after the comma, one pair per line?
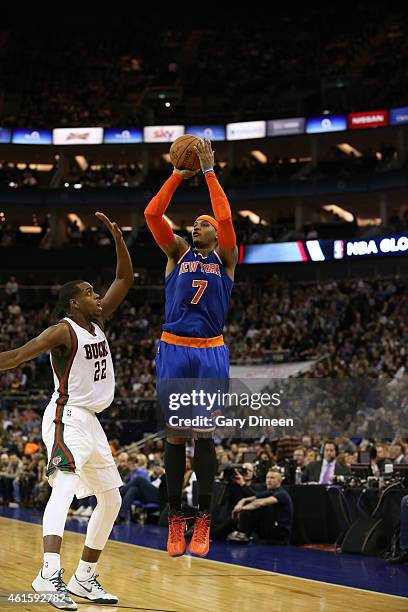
[84,377]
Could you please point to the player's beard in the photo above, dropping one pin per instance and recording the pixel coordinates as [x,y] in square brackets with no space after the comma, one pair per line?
[198,244]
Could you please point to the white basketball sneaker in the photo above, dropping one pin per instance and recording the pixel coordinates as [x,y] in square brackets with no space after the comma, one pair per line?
[57,590]
[91,589]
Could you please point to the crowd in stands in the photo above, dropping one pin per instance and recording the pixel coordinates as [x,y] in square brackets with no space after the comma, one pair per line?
[320,223]
[354,333]
[351,331]
[285,75]
[286,460]
[110,175]
[359,327]
[325,225]
[93,78]
[97,77]
[15,176]
[248,171]
[79,236]
[23,480]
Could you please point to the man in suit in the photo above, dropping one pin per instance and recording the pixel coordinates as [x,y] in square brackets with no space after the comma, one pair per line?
[397,454]
[381,458]
[322,472]
[299,456]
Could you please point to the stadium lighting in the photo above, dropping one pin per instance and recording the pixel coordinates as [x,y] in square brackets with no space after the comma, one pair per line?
[30,229]
[259,156]
[346,148]
[368,221]
[82,162]
[253,217]
[38,167]
[74,217]
[346,215]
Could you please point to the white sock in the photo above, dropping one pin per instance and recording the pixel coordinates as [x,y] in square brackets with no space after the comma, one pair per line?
[52,564]
[85,570]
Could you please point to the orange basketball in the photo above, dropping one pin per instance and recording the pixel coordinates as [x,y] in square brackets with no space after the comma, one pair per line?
[182,154]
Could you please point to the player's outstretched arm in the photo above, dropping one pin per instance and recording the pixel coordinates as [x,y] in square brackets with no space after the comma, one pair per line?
[51,338]
[124,270]
[227,242]
[171,244]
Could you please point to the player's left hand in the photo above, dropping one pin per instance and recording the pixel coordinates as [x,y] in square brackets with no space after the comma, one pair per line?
[203,148]
[111,225]
[185,174]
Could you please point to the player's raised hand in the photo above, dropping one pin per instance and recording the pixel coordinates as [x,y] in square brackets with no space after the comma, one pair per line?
[111,225]
[203,148]
[185,174]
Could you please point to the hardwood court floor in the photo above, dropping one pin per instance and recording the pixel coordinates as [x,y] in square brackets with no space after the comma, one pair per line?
[149,580]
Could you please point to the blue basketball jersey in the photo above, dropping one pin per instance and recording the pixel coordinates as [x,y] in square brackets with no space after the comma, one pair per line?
[197,296]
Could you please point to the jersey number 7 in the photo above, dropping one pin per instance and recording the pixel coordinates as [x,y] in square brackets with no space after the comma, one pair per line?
[202,285]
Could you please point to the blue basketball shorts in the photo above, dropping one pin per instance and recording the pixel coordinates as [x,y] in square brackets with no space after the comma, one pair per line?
[190,384]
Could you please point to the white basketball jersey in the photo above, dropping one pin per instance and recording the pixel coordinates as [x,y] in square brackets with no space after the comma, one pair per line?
[84,377]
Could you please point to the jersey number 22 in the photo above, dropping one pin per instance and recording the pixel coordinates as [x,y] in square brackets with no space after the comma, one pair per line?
[100,370]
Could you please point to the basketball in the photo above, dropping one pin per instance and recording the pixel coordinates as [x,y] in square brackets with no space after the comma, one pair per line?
[182,154]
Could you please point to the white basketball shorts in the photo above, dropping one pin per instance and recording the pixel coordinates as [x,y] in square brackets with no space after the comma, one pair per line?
[76,443]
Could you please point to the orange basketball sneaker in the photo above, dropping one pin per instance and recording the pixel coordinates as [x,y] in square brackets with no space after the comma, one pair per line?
[176,544]
[200,542]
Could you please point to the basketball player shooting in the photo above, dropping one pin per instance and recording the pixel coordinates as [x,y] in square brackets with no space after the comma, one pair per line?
[198,286]
[79,457]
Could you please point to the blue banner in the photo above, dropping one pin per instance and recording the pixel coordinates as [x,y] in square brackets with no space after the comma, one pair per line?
[399,116]
[323,250]
[125,136]
[326,123]
[374,247]
[5,135]
[32,137]
[212,132]
[282,252]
